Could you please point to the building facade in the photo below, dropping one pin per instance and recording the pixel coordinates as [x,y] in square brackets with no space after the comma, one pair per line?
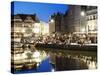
[81,19]
[91,16]
[22,25]
[76,19]
[70,21]
[55,23]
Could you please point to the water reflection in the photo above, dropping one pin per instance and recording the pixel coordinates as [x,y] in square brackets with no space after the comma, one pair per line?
[59,60]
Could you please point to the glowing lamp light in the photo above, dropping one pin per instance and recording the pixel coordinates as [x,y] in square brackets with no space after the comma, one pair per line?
[82,13]
[52,20]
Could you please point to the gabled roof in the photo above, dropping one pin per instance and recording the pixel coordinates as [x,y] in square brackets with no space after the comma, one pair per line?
[24,16]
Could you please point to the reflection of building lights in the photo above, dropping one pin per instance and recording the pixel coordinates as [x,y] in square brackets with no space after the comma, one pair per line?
[92,65]
[37,64]
[37,59]
[36,54]
[52,70]
[17,57]
[24,55]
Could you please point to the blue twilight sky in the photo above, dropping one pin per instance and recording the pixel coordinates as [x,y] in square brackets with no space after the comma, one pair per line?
[42,10]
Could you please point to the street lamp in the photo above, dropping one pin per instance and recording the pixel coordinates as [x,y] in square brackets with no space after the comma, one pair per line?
[52,25]
[52,20]
[82,15]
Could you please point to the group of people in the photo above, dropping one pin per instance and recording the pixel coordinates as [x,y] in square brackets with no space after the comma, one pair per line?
[58,38]
[67,39]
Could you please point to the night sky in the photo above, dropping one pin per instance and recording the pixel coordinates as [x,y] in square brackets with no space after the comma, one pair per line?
[42,10]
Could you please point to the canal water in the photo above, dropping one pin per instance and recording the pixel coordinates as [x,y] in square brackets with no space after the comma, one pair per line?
[72,59]
[63,60]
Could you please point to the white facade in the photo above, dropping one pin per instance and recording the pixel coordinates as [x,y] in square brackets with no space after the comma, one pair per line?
[91,17]
[92,25]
